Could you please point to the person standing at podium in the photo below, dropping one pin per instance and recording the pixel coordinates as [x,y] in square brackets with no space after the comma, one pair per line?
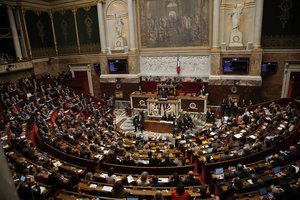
[163,93]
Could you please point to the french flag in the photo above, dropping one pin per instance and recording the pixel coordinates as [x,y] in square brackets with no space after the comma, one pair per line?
[178,65]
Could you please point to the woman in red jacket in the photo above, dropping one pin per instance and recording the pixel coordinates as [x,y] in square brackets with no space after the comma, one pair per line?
[180,193]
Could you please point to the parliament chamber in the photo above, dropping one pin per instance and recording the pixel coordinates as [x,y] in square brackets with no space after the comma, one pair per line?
[150,99]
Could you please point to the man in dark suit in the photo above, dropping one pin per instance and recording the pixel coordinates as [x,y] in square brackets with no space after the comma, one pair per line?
[135,123]
[154,161]
[190,180]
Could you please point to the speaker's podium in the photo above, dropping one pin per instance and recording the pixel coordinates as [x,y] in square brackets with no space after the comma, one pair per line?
[155,106]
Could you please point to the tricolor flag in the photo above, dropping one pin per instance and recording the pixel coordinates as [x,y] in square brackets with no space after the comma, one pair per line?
[178,65]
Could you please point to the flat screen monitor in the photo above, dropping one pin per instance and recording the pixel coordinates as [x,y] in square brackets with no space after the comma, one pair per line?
[235,65]
[97,68]
[117,66]
[268,68]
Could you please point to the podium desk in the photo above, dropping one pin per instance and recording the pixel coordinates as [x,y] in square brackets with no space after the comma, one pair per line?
[188,102]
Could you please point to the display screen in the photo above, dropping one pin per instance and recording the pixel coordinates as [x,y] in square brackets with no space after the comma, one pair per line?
[97,68]
[117,66]
[236,65]
[269,67]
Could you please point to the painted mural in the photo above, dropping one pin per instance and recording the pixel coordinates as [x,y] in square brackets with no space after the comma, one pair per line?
[174,23]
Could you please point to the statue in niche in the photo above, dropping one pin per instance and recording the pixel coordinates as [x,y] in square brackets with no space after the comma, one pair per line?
[119,27]
[120,41]
[64,27]
[236,34]
[88,26]
[40,27]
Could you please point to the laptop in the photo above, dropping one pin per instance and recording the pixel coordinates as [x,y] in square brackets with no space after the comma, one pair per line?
[132,198]
[276,170]
[22,178]
[263,191]
[236,148]
[219,171]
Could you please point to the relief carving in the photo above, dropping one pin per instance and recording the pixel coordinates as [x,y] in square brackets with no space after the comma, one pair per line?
[166,65]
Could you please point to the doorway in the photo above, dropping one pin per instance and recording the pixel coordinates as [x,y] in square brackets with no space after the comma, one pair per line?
[291,80]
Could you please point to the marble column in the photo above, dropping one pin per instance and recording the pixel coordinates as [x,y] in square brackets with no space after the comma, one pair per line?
[74,11]
[216,16]
[22,39]
[14,33]
[259,4]
[53,32]
[131,25]
[101,25]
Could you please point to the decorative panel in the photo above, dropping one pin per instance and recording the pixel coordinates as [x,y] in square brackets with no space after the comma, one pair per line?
[65,32]
[88,29]
[174,23]
[281,24]
[195,66]
[40,35]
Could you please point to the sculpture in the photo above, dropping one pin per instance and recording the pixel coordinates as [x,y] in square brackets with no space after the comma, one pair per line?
[119,27]
[120,41]
[236,16]
[236,34]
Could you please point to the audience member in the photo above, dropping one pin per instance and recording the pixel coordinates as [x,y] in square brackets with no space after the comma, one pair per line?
[118,190]
[180,193]
[191,180]
[143,180]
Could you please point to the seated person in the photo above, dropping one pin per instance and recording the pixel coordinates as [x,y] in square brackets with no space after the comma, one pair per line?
[190,180]
[175,180]
[143,180]
[111,178]
[154,161]
[119,191]
[155,183]
[158,195]
[203,192]
[168,162]
[180,193]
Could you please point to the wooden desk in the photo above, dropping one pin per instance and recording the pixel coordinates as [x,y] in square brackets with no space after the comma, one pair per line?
[158,126]
[141,191]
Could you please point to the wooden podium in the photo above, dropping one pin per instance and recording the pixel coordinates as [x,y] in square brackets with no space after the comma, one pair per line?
[158,126]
